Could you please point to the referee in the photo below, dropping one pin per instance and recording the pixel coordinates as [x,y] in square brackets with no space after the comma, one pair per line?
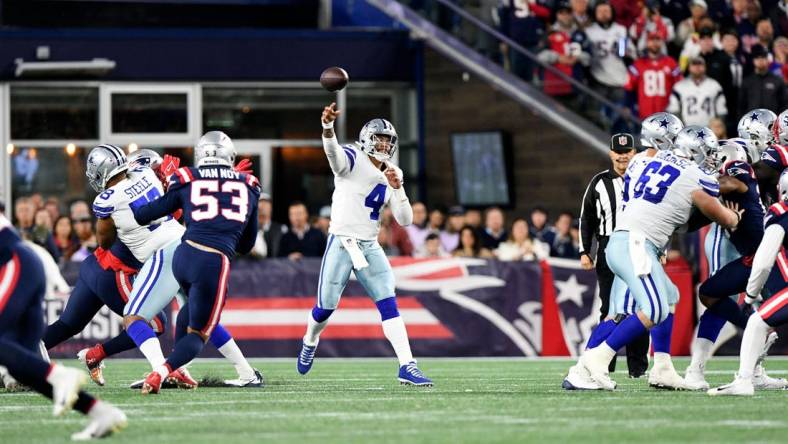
[601,205]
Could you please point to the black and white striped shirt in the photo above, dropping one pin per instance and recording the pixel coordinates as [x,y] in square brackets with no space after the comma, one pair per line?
[601,204]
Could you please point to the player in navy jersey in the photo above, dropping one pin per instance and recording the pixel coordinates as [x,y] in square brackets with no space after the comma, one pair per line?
[220,211]
[770,255]
[22,287]
[105,278]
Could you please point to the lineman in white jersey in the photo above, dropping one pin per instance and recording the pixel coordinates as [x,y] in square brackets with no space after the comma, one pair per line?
[661,193]
[364,182]
[126,186]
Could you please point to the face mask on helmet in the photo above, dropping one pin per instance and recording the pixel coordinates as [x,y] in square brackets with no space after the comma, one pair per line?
[659,130]
[780,129]
[728,151]
[698,144]
[782,186]
[104,162]
[756,126]
[378,138]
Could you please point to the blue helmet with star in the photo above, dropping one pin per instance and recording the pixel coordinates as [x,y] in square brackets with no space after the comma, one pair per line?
[659,131]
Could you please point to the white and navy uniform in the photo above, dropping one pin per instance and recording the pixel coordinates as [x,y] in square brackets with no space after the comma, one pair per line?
[154,245]
[698,102]
[608,48]
[361,190]
[658,200]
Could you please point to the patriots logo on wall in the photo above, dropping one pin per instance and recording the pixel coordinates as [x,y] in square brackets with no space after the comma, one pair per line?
[576,296]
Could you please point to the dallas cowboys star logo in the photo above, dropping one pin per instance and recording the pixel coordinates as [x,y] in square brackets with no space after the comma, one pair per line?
[701,135]
[664,123]
[754,116]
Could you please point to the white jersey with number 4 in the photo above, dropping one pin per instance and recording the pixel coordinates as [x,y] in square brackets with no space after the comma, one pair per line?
[698,102]
[138,188]
[359,196]
[658,195]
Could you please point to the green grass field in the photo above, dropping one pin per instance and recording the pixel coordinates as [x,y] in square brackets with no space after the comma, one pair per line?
[343,401]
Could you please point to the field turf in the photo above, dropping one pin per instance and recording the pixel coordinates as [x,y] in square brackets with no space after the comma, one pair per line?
[360,401]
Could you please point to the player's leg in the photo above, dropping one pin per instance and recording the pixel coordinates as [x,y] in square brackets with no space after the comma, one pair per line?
[715,292]
[335,271]
[208,273]
[81,307]
[663,374]
[378,281]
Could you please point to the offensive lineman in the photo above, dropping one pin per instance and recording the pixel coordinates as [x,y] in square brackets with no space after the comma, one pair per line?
[364,182]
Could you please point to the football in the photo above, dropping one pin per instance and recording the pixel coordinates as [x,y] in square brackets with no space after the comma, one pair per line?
[334,78]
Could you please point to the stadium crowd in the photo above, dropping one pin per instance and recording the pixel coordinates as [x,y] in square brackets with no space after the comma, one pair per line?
[636,53]
[435,232]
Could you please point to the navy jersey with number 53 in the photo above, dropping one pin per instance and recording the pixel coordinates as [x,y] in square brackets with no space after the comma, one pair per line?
[219,207]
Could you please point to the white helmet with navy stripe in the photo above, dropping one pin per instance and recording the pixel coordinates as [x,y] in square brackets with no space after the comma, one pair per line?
[214,148]
[371,144]
[780,128]
[104,162]
[782,186]
[659,130]
[730,150]
[698,144]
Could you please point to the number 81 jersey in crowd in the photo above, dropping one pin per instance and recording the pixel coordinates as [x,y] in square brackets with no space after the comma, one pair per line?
[140,186]
[658,195]
[359,197]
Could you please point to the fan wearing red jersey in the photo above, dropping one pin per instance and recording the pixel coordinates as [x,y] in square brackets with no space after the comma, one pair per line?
[652,77]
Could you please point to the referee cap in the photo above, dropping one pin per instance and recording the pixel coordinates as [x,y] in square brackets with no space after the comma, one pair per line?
[622,142]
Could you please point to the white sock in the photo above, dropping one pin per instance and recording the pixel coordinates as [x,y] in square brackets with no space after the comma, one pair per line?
[662,359]
[163,371]
[701,353]
[55,372]
[752,344]
[313,330]
[233,354]
[394,330]
[42,350]
[152,351]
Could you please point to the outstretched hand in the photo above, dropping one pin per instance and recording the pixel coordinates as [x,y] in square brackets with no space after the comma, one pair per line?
[393,176]
[330,113]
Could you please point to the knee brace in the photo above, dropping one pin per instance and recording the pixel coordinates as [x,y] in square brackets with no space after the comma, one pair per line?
[321,314]
[387,308]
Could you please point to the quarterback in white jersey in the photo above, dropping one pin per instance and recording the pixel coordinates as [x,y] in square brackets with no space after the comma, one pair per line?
[659,197]
[364,182]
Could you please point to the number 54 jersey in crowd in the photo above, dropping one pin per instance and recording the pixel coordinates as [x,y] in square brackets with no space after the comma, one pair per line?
[219,207]
[140,186]
[657,195]
[359,197]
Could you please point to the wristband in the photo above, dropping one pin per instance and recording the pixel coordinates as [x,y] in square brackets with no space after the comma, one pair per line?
[329,125]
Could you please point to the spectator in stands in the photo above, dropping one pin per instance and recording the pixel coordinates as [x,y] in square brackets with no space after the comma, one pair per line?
[651,22]
[269,232]
[779,16]
[418,230]
[470,246]
[698,9]
[739,20]
[301,240]
[83,228]
[762,89]
[432,247]
[717,62]
[651,78]
[437,219]
[737,63]
[520,246]
[65,239]
[494,232]
[626,11]
[474,219]
[779,66]
[539,225]
[560,239]
[608,44]
[580,14]
[450,237]
[24,214]
[41,233]
[323,219]
[524,22]
[692,47]
[392,237]
[698,99]
[52,205]
[562,53]
[37,200]
[765,33]
[718,126]
[79,208]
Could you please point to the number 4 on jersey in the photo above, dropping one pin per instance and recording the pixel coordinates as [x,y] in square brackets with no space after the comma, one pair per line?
[375,199]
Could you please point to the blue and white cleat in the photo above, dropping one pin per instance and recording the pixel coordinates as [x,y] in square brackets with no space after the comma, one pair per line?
[306,358]
[409,374]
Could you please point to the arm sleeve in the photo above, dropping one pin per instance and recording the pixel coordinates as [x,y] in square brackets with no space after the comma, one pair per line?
[249,235]
[341,160]
[163,206]
[400,207]
[764,258]
[588,219]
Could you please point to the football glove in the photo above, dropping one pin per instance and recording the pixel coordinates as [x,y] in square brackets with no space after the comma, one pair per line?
[244,166]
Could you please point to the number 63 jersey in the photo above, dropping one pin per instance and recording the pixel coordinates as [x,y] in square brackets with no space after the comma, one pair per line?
[359,197]
[140,186]
[658,195]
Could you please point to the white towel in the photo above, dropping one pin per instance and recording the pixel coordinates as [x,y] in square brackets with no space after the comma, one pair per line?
[641,261]
[356,255]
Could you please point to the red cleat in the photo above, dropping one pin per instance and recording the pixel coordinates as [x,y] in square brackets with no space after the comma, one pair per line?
[152,384]
[93,358]
[182,379]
